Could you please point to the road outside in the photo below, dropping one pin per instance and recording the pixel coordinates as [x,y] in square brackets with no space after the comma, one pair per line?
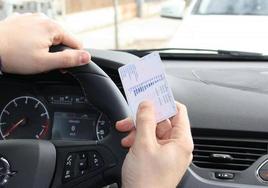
[137,33]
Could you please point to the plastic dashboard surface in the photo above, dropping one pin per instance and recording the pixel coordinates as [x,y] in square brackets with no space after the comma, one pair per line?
[230,101]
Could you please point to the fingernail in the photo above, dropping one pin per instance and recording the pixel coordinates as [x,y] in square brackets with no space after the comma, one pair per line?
[118,123]
[84,58]
[123,142]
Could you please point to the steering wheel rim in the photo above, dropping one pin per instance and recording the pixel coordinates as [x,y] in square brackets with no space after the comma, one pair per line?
[50,157]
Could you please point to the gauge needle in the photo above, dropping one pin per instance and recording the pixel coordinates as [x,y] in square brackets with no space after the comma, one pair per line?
[13,127]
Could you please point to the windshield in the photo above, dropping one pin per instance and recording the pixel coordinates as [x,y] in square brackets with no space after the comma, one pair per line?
[239,25]
[232,7]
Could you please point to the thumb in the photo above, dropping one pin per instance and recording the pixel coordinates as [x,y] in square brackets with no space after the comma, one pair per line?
[146,124]
[67,58]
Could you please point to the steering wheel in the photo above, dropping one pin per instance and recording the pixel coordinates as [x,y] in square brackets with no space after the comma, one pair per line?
[59,163]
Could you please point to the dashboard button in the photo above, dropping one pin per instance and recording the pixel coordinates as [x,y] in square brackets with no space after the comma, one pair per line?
[68,172]
[263,171]
[69,160]
[82,164]
[82,172]
[224,175]
[263,174]
[83,155]
[95,160]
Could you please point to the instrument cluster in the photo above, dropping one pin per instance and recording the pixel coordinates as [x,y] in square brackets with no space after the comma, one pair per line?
[50,112]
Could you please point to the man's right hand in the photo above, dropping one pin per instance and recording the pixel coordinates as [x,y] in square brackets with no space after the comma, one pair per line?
[159,154]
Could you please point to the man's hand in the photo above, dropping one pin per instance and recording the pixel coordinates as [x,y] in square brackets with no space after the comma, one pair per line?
[159,155]
[24,44]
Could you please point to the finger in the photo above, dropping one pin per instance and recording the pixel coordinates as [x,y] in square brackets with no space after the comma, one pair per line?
[162,128]
[71,41]
[124,125]
[180,123]
[146,124]
[63,37]
[181,117]
[65,59]
[60,36]
[128,141]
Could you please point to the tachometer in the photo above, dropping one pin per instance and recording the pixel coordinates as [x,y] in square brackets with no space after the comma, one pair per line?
[24,118]
[103,126]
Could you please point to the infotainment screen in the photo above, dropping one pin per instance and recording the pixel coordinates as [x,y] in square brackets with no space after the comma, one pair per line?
[73,126]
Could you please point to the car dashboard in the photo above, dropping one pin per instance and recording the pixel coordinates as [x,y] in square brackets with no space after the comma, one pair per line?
[227,104]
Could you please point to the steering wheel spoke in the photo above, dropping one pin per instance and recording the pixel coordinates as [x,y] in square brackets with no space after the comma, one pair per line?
[27,163]
[82,162]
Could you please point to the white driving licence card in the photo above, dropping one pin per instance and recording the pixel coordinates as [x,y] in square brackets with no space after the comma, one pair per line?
[146,80]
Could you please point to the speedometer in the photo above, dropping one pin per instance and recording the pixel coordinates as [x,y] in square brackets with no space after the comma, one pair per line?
[24,118]
[103,126]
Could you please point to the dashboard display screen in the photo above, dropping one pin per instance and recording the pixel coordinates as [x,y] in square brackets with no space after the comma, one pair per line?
[73,126]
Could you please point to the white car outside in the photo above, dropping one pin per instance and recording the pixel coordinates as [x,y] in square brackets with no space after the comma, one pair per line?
[241,31]
[173,9]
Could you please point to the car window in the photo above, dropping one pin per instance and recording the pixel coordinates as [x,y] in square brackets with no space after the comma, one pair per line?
[239,25]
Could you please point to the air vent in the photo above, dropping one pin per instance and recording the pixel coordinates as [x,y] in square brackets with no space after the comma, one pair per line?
[114,75]
[227,150]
